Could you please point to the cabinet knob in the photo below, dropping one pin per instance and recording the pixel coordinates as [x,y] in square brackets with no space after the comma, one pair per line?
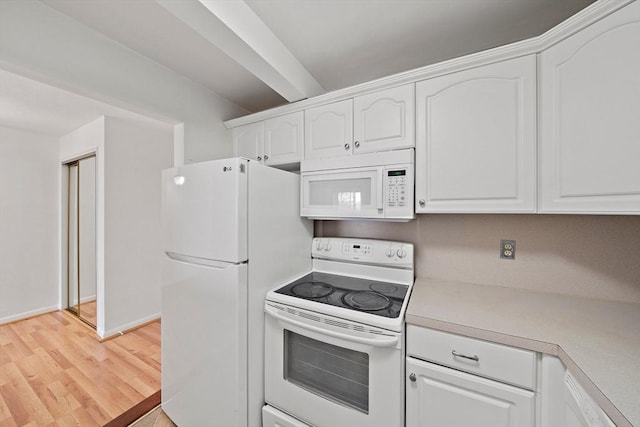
[346,146]
[422,202]
[357,144]
[259,158]
[412,377]
[266,157]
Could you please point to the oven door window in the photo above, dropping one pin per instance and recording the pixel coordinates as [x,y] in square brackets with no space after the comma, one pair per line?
[336,373]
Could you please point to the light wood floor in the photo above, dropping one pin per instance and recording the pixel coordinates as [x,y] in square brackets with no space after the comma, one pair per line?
[55,372]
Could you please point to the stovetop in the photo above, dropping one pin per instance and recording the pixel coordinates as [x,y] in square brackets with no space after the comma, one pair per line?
[353,293]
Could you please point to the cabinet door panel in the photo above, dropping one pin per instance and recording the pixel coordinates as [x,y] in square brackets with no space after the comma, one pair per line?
[590,126]
[248,140]
[476,148]
[283,139]
[445,397]
[384,120]
[327,129]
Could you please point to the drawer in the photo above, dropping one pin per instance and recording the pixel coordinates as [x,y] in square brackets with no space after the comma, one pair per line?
[499,362]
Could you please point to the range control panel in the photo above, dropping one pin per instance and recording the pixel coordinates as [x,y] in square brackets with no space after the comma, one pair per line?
[378,252]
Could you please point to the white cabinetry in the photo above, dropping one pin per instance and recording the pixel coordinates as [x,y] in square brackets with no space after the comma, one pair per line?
[384,120]
[248,141]
[476,139]
[377,121]
[460,393]
[590,118]
[275,141]
[328,130]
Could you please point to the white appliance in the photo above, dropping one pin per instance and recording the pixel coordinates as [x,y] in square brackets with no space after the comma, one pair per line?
[580,409]
[375,186]
[227,226]
[334,338]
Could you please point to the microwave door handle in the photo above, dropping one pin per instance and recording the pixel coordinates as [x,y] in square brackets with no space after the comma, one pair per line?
[380,189]
[383,341]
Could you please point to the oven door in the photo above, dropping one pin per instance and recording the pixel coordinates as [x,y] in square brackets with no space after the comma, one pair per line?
[330,372]
[343,193]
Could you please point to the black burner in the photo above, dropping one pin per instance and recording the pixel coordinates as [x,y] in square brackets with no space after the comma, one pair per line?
[366,301]
[312,290]
[383,288]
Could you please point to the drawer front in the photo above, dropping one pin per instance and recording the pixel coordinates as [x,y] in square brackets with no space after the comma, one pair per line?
[507,364]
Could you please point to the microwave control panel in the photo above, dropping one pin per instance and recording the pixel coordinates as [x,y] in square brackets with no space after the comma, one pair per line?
[397,181]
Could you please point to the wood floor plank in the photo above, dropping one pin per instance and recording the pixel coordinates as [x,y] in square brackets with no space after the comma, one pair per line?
[54,371]
[36,410]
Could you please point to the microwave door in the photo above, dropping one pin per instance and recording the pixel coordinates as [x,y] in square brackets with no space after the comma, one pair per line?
[354,193]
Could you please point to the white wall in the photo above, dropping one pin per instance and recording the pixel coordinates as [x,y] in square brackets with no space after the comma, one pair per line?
[583,255]
[135,155]
[29,206]
[39,42]
[130,155]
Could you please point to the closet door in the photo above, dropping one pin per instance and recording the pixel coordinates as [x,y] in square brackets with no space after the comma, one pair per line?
[82,278]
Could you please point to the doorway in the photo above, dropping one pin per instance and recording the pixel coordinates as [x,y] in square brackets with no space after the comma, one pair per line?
[81,239]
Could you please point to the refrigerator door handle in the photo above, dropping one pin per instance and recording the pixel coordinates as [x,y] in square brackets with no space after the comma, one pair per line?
[201,261]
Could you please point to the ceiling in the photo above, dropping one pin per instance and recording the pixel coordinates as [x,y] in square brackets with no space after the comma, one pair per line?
[261,54]
[37,107]
[340,42]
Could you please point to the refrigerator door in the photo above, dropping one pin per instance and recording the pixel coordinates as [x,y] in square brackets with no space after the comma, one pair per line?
[204,210]
[204,344]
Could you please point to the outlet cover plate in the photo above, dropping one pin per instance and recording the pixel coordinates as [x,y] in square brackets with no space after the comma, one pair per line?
[508,249]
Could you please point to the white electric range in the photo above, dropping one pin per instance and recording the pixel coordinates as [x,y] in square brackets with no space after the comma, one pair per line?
[334,338]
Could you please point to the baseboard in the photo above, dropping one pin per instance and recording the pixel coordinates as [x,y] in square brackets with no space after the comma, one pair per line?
[127,327]
[132,414]
[27,314]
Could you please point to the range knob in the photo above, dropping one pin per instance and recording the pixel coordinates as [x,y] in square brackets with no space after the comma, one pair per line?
[401,253]
[318,245]
[390,252]
[327,247]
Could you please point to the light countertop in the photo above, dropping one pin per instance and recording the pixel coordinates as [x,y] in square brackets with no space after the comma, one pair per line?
[598,341]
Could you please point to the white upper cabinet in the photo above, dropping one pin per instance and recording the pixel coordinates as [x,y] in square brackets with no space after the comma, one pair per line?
[476,139]
[384,120]
[248,141]
[378,121]
[590,118]
[276,141]
[283,139]
[328,130]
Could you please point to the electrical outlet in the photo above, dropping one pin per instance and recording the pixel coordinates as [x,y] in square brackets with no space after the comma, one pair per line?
[508,249]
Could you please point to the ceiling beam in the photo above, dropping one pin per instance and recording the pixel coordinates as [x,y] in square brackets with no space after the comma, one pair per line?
[235,29]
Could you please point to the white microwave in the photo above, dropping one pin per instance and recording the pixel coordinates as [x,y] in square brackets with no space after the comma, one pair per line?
[377,186]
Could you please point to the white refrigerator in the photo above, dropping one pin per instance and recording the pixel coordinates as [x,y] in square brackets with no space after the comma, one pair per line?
[231,231]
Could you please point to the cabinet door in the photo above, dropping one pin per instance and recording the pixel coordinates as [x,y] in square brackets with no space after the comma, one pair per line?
[476,144]
[441,396]
[590,118]
[384,120]
[283,139]
[248,141]
[328,130]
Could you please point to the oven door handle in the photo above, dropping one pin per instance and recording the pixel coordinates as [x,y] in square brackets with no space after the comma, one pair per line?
[383,341]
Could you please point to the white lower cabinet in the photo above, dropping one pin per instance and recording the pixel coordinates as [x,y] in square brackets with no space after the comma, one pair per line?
[472,382]
[443,397]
